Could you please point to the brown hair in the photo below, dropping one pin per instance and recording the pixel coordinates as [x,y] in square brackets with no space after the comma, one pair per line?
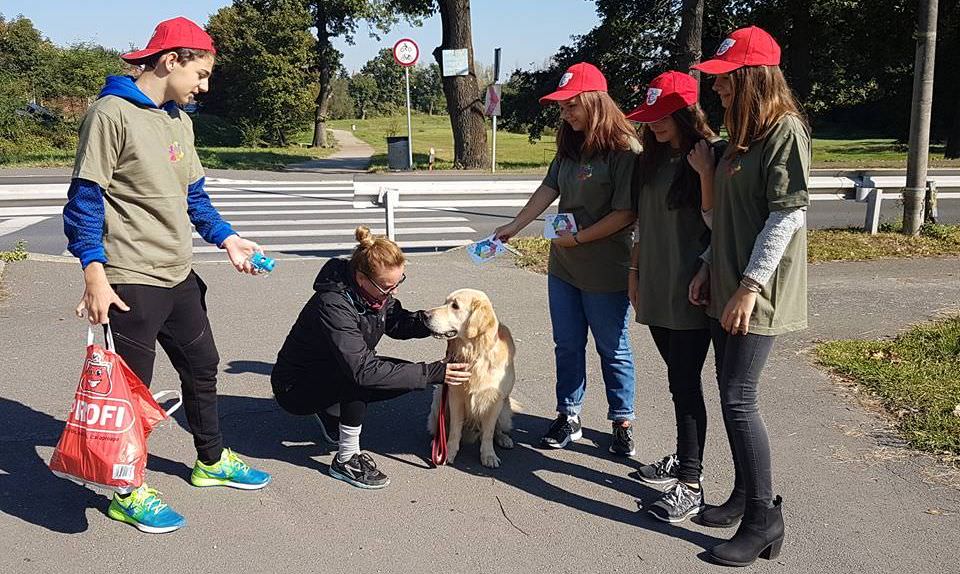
[184,55]
[374,253]
[761,98]
[607,129]
[693,127]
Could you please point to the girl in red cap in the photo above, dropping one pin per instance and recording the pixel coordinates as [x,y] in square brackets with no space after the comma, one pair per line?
[587,281]
[756,272]
[670,237]
[137,188]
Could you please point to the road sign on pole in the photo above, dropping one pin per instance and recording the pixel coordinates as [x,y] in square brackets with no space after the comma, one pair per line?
[406,53]
[493,104]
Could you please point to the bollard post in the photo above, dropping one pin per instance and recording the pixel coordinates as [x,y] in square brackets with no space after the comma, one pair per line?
[389,198]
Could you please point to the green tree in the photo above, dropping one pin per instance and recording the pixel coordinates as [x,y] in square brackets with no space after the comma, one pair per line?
[340,19]
[23,51]
[262,80]
[364,92]
[341,104]
[391,91]
[426,88]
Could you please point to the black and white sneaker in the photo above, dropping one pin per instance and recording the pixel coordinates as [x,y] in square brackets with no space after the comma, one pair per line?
[562,432]
[678,503]
[329,426]
[360,471]
[664,471]
[621,442]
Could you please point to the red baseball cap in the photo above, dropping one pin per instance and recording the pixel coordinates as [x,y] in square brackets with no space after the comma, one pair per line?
[178,32]
[667,93]
[579,78]
[745,47]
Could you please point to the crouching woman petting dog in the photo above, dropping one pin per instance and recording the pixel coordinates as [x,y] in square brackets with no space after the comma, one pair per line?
[328,366]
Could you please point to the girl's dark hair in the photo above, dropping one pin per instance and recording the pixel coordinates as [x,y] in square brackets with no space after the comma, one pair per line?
[183,54]
[693,127]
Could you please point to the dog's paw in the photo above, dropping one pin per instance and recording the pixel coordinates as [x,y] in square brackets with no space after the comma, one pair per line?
[451,455]
[490,460]
[504,441]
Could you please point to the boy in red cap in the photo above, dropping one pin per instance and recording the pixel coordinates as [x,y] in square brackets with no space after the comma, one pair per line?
[587,274]
[757,271]
[670,237]
[137,187]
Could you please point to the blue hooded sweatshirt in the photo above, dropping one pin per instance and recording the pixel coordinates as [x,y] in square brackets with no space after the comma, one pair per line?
[83,215]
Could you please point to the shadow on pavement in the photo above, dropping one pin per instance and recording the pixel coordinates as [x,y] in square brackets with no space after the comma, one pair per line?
[258,428]
[29,491]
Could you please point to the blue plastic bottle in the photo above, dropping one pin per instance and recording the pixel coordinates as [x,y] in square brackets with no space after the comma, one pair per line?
[261,262]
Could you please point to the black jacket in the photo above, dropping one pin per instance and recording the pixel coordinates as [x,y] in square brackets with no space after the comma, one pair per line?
[335,337]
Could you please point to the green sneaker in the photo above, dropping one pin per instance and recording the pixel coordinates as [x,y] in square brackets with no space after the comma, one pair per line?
[144,510]
[228,471]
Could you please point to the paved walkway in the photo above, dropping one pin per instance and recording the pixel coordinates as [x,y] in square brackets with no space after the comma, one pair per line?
[353,157]
[854,502]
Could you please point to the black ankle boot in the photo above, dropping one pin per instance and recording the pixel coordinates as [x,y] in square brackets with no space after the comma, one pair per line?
[727,514]
[760,535]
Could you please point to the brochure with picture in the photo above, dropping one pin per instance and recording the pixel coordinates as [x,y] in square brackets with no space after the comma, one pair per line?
[485,249]
[553,225]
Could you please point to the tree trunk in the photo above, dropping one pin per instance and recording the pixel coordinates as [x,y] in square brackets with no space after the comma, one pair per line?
[919,147]
[325,63]
[798,49]
[690,37]
[463,104]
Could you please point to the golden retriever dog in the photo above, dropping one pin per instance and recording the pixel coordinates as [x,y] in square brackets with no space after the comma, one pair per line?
[482,405]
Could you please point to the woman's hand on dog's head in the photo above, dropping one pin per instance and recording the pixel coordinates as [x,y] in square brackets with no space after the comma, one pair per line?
[457,374]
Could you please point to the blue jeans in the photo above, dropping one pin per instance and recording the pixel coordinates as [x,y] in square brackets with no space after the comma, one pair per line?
[607,315]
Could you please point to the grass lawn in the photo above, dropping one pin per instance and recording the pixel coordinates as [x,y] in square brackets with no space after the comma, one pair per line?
[916,376]
[514,151]
[870,153]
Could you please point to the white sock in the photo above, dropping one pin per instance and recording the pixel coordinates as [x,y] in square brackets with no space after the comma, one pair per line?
[334,410]
[349,442]
[573,418]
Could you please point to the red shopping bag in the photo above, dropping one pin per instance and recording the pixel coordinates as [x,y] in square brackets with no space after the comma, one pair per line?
[104,442]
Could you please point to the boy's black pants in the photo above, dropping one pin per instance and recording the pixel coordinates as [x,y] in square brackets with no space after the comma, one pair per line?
[176,317]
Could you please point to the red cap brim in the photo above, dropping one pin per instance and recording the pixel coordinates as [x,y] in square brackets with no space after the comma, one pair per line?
[139,54]
[716,66]
[560,96]
[647,115]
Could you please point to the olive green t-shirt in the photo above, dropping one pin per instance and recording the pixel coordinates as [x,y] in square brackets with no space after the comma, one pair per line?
[669,244]
[144,160]
[590,189]
[772,175]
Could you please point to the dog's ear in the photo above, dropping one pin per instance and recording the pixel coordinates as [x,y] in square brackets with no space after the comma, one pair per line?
[482,319]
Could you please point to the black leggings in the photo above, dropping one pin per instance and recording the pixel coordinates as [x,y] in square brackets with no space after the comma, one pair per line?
[740,359]
[684,353]
[176,317]
[302,394]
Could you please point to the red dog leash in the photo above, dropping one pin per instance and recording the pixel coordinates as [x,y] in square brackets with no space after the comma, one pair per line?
[438,447]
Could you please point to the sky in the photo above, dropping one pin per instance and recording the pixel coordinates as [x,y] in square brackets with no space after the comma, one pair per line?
[528,31]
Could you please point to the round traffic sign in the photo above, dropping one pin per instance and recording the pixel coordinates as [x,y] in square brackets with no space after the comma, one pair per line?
[406,52]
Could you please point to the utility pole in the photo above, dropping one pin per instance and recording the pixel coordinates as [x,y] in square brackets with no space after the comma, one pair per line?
[919,146]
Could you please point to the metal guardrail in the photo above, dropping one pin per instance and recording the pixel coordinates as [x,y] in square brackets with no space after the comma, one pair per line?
[870,188]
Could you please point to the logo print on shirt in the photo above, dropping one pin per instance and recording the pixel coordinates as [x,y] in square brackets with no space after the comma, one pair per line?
[175,151]
[564,79]
[652,95]
[585,172]
[725,45]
